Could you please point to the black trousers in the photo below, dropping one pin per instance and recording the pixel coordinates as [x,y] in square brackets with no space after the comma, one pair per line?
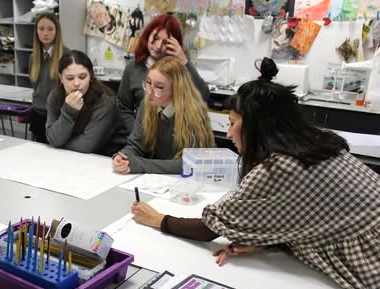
[37,124]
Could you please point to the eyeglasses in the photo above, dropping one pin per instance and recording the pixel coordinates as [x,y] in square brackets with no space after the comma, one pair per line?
[158,91]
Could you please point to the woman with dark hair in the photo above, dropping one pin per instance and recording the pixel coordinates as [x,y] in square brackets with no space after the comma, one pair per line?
[82,111]
[300,188]
[48,48]
[162,36]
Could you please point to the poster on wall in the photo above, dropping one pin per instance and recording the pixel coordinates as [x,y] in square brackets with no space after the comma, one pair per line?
[197,7]
[226,7]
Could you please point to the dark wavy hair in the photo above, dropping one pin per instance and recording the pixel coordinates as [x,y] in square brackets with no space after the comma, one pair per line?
[169,23]
[272,122]
[95,92]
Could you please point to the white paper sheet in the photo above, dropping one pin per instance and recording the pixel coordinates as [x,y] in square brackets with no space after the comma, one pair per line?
[362,144]
[152,184]
[76,174]
[163,186]
[157,251]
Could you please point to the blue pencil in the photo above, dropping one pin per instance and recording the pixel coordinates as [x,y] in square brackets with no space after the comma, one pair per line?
[30,248]
[11,246]
[8,241]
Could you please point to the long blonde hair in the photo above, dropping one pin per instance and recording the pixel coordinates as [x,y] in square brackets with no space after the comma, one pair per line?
[192,126]
[38,48]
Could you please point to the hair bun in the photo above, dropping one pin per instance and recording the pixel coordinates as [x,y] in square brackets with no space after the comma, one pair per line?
[268,68]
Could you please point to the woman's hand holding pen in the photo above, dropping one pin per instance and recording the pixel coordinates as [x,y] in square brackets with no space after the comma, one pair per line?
[120,163]
[146,214]
[234,250]
[174,49]
[75,100]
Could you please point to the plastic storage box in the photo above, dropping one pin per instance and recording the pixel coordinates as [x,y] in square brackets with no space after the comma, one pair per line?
[216,166]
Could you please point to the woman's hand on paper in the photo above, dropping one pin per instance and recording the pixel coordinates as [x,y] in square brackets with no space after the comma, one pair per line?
[234,250]
[174,49]
[75,100]
[146,214]
[120,163]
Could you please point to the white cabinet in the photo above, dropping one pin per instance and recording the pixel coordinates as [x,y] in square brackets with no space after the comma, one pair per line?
[14,59]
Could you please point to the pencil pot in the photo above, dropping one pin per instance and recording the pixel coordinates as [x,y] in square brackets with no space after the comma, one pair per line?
[22,276]
[24,257]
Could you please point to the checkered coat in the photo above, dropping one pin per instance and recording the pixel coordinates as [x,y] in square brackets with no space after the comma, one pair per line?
[328,214]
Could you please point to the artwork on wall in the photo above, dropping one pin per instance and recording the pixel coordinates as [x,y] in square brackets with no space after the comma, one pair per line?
[197,7]
[267,7]
[160,6]
[336,9]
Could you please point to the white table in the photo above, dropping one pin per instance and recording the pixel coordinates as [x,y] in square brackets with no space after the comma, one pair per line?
[15,94]
[272,269]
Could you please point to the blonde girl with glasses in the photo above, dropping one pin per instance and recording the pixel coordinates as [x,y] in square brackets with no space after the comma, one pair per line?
[173,116]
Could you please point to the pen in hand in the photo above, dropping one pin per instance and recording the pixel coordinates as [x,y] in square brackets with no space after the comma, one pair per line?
[137,194]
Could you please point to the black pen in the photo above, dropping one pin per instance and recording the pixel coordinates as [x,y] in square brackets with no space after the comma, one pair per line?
[137,194]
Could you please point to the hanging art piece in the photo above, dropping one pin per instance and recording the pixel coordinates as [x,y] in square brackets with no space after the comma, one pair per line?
[107,22]
[267,7]
[347,50]
[135,25]
[282,34]
[304,37]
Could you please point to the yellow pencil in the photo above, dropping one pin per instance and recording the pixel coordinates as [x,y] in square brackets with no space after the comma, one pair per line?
[70,263]
[18,244]
[42,247]
[25,240]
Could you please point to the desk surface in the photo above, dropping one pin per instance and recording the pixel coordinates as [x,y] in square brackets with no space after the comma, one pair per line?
[16,93]
[272,270]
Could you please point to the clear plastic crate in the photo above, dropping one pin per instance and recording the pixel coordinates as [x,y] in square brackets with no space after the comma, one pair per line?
[215,166]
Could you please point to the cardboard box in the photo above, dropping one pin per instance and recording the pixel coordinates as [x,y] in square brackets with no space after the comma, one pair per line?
[86,240]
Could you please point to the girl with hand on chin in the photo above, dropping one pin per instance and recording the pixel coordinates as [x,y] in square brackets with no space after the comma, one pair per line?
[43,69]
[82,111]
[162,37]
[172,117]
[301,189]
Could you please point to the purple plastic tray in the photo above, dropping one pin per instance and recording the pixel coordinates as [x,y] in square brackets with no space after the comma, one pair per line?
[116,268]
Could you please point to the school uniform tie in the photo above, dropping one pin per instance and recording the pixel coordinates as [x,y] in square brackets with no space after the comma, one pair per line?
[46,55]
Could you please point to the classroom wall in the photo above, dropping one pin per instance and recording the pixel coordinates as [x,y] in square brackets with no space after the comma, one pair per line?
[253,44]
